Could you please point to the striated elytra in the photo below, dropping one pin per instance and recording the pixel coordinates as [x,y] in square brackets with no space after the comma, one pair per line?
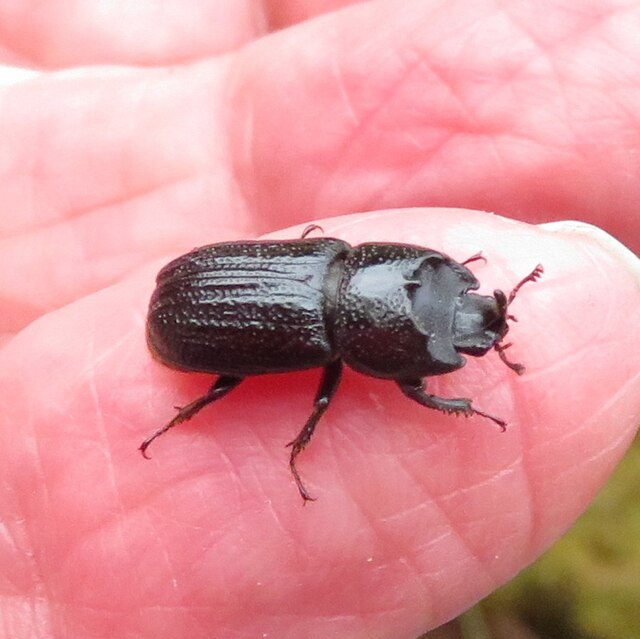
[393,311]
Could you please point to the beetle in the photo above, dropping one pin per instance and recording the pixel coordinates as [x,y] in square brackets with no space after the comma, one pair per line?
[393,311]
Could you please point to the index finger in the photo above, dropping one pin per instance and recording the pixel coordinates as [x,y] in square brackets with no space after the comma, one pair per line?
[423,512]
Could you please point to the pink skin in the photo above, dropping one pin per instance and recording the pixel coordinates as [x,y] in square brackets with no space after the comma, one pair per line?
[106,173]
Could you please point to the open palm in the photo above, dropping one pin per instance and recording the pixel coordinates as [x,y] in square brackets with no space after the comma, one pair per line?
[216,131]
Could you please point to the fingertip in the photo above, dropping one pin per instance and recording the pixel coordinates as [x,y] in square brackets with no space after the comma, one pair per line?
[588,234]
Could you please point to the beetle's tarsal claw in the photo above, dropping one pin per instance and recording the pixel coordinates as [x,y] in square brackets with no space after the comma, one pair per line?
[296,449]
[496,420]
[143,448]
[328,385]
[514,366]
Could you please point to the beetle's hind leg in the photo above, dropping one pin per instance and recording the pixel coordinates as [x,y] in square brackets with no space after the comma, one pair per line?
[327,389]
[415,390]
[223,385]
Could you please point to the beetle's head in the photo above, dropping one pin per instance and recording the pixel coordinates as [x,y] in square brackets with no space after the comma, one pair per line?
[481,322]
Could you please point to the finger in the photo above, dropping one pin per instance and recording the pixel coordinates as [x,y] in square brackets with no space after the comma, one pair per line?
[63,34]
[125,165]
[60,34]
[97,183]
[284,14]
[437,104]
[424,512]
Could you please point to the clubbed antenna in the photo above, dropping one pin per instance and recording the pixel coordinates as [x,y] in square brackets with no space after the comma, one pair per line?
[504,303]
[532,277]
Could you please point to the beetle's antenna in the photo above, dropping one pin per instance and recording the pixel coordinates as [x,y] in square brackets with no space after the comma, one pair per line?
[532,277]
[503,303]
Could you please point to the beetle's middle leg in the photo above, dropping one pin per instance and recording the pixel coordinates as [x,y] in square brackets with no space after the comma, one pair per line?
[415,389]
[327,389]
[223,385]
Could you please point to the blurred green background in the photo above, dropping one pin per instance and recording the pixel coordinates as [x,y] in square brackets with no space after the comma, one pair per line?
[587,586]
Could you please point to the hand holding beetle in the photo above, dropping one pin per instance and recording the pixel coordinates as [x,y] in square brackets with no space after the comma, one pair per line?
[424,512]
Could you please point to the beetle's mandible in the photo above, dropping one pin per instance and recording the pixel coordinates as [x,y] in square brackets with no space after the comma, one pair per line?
[393,311]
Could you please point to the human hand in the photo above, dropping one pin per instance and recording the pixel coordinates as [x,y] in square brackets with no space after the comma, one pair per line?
[110,172]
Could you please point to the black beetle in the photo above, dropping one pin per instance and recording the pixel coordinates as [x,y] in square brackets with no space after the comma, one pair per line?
[393,311]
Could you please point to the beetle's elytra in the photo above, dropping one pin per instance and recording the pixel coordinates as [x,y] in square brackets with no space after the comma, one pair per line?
[393,311]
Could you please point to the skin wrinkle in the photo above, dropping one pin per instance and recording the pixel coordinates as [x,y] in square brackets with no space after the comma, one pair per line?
[276,518]
[145,501]
[458,566]
[363,122]
[566,361]
[630,116]
[102,431]
[417,577]
[552,43]
[78,228]
[538,51]
[365,516]
[342,90]
[124,150]
[376,531]
[411,139]
[434,541]
[484,571]
[445,515]
[40,588]
[546,142]
[601,453]
[277,460]
[470,116]
[409,562]
[398,515]
[88,371]
[560,87]
[267,444]
[240,146]
[595,416]
[611,306]
[529,496]
[508,470]
[564,101]
[488,133]
[232,471]
[101,207]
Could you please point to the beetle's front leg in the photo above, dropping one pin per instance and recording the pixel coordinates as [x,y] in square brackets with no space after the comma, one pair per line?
[328,386]
[415,390]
